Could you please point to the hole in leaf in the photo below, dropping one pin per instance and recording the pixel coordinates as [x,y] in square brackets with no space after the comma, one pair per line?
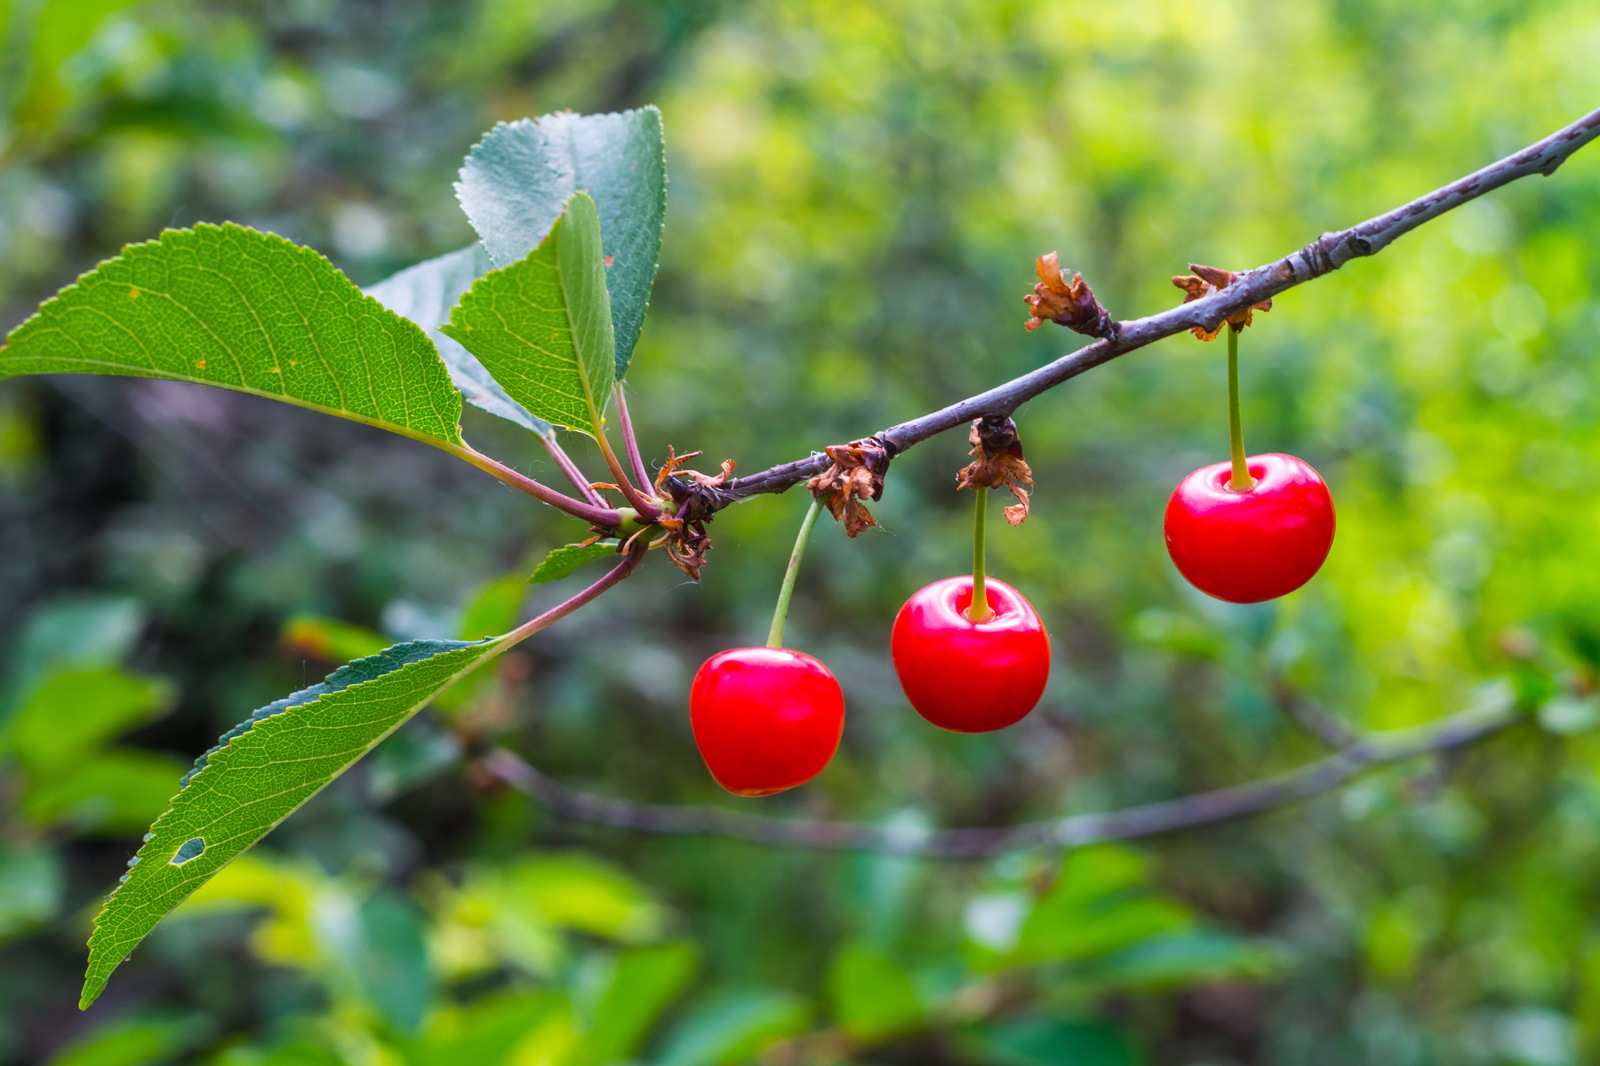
[191,849]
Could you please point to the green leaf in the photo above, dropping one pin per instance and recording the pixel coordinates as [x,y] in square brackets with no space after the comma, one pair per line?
[425,293]
[31,882]
[1051,1042]
[543,325]
[116,792]
[872,997]
[248,311]
[516,180]
[643,983]
[734,1027]
[496,1029]
[564,562]
[390,959]
[329,639]
[136,1042]
[70,713]
[261,772]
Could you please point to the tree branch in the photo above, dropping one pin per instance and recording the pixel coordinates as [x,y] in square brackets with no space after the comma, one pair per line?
[1322,256]
[1204,808]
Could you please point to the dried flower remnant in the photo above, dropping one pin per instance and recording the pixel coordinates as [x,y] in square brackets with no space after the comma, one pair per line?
[856,475]
[1207,280]
[686,540]
[1071,304]
[998,463]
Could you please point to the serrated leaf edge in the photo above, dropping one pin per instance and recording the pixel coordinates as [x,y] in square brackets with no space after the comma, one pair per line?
[226,227]
[91,987]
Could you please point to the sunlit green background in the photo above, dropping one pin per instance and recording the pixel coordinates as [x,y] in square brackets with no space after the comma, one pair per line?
[857,195]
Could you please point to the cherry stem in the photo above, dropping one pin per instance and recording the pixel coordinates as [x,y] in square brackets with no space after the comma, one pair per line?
[594,514]
[570,468]
[630,443]
[979,610]
[780,614]
[561,610]
[648,512]
[1241,480]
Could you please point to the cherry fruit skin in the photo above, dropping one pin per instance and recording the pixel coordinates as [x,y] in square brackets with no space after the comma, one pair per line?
[1245,547]
[765,719]
[966,676]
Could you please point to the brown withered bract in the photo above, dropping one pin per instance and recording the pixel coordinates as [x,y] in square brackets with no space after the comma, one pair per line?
[1066,303]
[687,541]
[856,475]
[998,463]
[1207,280]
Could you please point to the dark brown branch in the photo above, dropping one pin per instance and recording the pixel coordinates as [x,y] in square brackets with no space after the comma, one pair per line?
[1322,256]
[1150,819]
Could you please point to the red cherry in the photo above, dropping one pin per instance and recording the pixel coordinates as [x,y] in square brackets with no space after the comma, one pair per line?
[765,719]
[966,676]
[1245,547]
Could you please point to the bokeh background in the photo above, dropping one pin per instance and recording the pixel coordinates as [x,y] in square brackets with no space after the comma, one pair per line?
[857,193]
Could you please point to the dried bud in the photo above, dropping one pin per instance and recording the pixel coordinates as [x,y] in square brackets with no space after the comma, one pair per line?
[1207,280]
[856,475]
[998,463]
[1071,304]
[687,541]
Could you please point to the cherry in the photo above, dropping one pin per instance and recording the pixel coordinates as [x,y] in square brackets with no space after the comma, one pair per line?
[765,719]
[1245,547]
[966,676]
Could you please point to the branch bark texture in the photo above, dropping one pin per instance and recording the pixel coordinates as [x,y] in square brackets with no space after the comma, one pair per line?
[1150,819]
[1322,256]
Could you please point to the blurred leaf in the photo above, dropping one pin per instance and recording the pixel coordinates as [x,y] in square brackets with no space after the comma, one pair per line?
[493,608]
[1052,1042]
[564,562]
[329,639]
[516,181]
[579,892]
[733,1027]
[70,713]
[425,293]
[1096,906]
[490,1032]
[415,754]
[53,32]
[870,995]
[263,770]
[543,324]
[390,959]
[137,1042]
[78,629]
[288,892]
[31,880]
[643,983]
[1180,959]
[296,330]
[117,792]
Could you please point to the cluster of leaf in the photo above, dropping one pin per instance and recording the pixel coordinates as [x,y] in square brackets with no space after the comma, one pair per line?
[540,341]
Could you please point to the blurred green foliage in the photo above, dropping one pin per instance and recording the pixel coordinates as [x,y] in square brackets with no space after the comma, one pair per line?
[857,194]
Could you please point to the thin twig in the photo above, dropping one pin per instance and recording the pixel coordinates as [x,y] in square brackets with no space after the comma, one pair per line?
[604,517]
[1322,256]
[1150,819]
[630,442]
[1314,718]
[566,607]
[570,468]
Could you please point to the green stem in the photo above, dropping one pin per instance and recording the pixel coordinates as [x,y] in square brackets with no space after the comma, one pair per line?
[1241,480]
[781,613]
[979,610]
